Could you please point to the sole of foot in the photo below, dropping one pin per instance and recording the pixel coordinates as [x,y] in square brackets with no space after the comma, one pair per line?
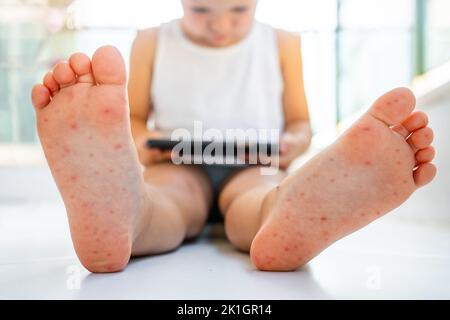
[372,168]
[84,128]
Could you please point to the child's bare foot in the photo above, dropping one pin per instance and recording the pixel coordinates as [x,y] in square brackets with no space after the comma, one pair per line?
[370,170]
[83,124]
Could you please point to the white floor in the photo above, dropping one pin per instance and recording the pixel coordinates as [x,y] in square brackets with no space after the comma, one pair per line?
[405,254]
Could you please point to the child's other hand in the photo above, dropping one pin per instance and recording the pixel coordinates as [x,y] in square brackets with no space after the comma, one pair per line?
[292,145]
[148,156]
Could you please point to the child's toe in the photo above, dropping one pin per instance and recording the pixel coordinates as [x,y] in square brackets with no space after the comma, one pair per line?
[50,82]
[425,155]
[40,96]
[415,121]
[64,74]
[424,174]
[108,66]
[394,106]
[421,138]
[81,65]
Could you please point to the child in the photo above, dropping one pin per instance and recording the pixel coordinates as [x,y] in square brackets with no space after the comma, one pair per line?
[217,65]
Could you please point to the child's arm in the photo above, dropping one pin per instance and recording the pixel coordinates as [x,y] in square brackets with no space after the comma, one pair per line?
[297,130]
[139,88]
[141,65]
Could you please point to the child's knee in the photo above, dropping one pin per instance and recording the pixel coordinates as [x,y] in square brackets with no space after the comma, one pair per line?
[241,222]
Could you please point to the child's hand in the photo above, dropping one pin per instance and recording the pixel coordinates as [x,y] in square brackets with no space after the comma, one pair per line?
[292,145]
[148,156]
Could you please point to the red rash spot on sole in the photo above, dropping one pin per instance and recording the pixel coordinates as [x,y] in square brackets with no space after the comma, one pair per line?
[86,228]
[286,249]
[395,194]
[106,111]
[362,214]
[111,170]
[405,182]
[111,211]
[397,150]
[331,159]
[73,178]
[66,150]
[332,180]
[73,126]
[117,146]
[109,254]
[90,138]
[302,194]
[399,162]
[366,129]
[105,232]
[45,119]
[275,235]
[378,213]
[91,155]
[368,163]
[323,219]
[95,252]
[345,175]
[70,95]
[96,173]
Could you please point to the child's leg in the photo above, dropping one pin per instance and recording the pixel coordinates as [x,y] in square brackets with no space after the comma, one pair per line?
[240,202]
[181,197]
[84,127]
[370,170]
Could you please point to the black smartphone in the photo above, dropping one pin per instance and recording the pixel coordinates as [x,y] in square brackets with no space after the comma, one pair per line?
[197,146]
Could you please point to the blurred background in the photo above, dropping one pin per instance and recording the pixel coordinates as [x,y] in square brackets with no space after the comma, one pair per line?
[353,51]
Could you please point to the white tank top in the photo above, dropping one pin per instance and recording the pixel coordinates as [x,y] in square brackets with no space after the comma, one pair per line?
[236,87]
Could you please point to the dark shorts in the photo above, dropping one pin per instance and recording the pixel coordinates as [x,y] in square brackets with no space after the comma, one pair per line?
[219,175]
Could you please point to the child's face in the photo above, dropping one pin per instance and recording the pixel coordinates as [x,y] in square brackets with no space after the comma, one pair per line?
[218,23]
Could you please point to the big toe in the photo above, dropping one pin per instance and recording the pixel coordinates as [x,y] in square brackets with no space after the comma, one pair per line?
[108,66]
[394,106]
